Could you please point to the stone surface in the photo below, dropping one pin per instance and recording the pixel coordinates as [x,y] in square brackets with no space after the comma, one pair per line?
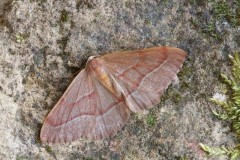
[3,4]
[43,44]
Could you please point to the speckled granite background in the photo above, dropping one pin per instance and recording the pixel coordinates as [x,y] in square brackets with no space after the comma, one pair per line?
[3,5]
[43,43]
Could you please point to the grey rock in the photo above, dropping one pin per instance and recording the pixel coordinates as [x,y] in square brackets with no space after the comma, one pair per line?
[42,42]
[3,4]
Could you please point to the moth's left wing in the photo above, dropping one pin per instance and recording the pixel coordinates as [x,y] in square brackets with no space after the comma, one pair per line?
[86,110]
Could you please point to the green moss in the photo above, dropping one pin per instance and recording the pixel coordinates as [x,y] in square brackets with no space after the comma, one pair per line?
[148,22]
[230,109]
[233,153]
[187,68]
[194,23]
[221,10]
[211,30]
[206,28]
[22,157]
[127,4]
[64,16]
[184,158]
[48,149]
[184,75]
[173,95]
[176,98]
[165,1]
[20,37]
[151,120]
[231,106]
[39,125]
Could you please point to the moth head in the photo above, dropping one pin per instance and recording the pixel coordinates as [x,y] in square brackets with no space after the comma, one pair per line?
[93,62]
[92,57]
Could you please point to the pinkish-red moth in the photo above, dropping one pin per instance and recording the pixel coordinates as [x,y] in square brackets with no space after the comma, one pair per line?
[98,101]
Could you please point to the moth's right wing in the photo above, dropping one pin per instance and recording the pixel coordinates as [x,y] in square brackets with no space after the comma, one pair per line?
[144,75]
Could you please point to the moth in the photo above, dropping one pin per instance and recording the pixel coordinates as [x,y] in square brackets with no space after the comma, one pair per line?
[99,100]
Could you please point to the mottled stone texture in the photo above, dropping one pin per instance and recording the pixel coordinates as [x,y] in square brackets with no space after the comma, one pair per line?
[43,43]
[3,5]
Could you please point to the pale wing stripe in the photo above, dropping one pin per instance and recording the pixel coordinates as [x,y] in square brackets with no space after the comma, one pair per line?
[102,115]
[147,77]
[63,130]
[116,75]
[75,119]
